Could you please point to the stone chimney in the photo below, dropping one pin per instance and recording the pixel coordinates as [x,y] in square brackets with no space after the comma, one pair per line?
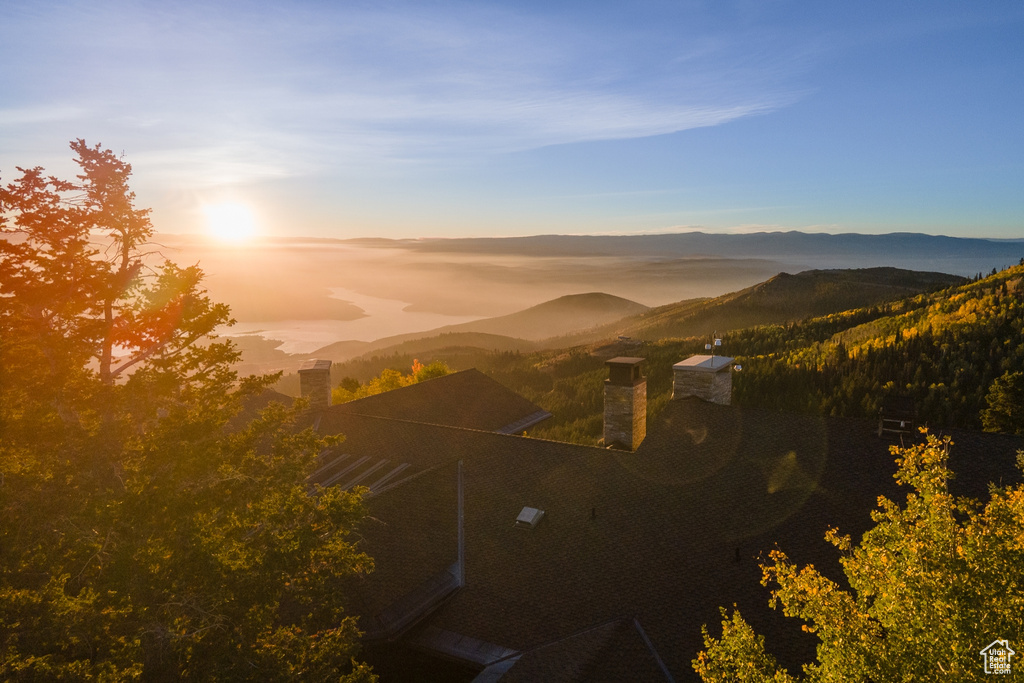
[625,404]
[315,382]
[706,377]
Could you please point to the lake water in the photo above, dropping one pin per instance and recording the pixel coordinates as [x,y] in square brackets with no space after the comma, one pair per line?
[384,318]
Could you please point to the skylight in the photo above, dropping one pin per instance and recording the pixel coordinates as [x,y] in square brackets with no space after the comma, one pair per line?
[529,518]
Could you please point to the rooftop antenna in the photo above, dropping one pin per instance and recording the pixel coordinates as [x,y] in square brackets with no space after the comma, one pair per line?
[715,345]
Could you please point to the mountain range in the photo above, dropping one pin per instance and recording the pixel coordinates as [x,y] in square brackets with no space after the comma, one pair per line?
[595,318]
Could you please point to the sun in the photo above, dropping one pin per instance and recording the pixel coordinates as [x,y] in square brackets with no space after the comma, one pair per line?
[230,221]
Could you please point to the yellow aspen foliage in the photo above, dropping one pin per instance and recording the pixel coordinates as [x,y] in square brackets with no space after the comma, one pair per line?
[931,584]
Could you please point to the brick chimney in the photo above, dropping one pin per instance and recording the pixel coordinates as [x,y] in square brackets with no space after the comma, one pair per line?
[315,382]
[706,377]
[625,404]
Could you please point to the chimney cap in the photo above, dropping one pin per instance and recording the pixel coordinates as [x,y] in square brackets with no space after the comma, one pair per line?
[704,363]
[314,364]
[624,360]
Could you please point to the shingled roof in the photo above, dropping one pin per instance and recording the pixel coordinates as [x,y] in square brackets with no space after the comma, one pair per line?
[650,537]
[382,445]
[467,399]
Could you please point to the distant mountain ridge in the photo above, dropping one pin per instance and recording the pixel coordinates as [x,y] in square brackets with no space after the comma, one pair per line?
[898,246]
[514,332]
[555,318]
[779,299]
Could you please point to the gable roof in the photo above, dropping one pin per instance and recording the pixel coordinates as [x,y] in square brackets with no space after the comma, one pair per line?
[468,399]
[376,447]
[654,533]
[377,454]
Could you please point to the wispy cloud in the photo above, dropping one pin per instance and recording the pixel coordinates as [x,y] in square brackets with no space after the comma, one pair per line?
[43,113]
[237,96]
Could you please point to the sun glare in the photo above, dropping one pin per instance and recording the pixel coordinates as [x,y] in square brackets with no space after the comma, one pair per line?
[230,222]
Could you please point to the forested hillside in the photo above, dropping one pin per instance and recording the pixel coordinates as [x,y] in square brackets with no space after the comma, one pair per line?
[946,350]
[943,350]
[779,299]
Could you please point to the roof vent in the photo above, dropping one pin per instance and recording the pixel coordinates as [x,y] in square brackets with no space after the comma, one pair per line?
[529,518]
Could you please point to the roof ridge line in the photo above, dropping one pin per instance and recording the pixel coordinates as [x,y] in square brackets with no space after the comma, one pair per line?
[650,648]
[469,429]
[588,629]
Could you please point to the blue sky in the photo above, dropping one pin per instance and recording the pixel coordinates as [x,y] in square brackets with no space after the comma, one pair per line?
[415,119]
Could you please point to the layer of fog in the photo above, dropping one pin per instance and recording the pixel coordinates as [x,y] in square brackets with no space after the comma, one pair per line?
[311,293]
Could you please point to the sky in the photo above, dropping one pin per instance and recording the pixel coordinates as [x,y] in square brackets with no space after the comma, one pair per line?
[445,119]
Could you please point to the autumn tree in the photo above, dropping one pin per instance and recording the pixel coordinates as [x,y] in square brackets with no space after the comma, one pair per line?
[1005,401]
[931,584]
[149,528]
[389,379]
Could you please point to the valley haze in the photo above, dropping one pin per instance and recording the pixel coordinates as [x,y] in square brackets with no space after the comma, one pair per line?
[310,292]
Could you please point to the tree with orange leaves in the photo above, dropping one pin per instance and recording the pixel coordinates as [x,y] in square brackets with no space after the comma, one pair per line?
[146,531]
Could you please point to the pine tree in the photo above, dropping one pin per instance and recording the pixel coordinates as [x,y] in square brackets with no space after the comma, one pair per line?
[1005,400]
[148,529]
